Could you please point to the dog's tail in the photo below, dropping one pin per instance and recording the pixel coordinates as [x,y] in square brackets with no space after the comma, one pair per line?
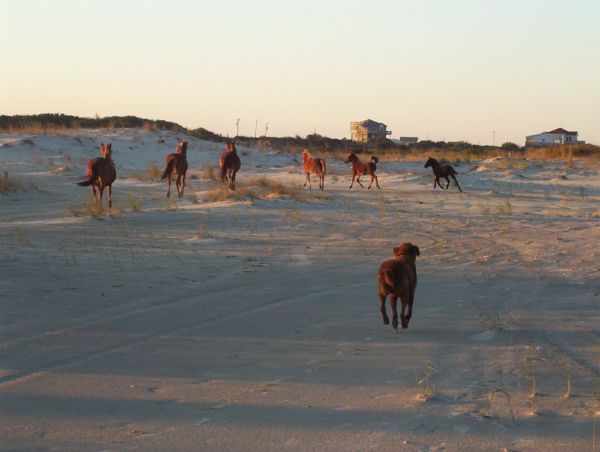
[87,182]
[168,168]
[388,278]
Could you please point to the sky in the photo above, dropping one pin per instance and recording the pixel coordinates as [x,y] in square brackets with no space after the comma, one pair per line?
[437,69]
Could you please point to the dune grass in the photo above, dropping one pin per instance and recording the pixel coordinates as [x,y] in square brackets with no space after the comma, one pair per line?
[262,188]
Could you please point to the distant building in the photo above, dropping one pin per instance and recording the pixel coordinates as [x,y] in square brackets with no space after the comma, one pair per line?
[556,136]
[368,130]
[407,141]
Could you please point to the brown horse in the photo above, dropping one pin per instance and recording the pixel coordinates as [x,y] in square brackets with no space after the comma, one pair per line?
[230,164]
[398,277]
[176,165]
[100,173]
[315,166]
[441,171]
[360,169]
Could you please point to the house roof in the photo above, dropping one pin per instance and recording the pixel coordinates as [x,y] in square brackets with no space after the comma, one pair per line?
[370,122]
[561,131]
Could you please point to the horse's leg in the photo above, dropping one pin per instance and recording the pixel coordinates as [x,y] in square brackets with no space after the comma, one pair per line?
[384,316]
[100,194]
[434,181]
[353,176]
[322,183]
[232,179]
[456,182]
[394,303]
[179,189]
[377,182]
[93,188]
[447,182]
[168,185]
[110,196]
[309,181]
[359,183]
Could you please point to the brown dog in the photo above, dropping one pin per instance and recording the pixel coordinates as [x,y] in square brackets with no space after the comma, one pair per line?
[398,277]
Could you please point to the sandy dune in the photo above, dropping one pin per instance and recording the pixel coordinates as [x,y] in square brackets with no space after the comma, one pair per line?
[253,324]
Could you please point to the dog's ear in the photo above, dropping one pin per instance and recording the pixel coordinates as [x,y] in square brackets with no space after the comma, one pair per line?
[415,249]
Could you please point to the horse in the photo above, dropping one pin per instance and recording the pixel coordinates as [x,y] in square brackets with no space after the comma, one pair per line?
[360,169]
[398,277]
[176,165]
[442,171]
[101,173]
[315,166]
[230,164]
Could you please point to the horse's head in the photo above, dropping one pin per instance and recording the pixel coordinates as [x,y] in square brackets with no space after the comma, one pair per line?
[305,154]
[429,162]
[106,150]
[350,158]
[182,147]
[231,146]
[408,250]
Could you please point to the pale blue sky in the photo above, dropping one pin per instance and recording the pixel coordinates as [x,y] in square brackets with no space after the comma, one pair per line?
[454,69]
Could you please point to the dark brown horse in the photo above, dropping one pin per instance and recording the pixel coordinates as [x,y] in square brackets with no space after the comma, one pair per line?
[315,166]
[230,164]
[361,169]
[100,173]
[441,171]
[176,165]
[397,277]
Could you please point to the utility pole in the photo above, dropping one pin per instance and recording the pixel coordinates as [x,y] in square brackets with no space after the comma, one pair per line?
[255,127]
[237,127]
[266,129]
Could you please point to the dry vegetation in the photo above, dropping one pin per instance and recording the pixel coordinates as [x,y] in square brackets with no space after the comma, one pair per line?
[262,188]
[152,173]
[10,184]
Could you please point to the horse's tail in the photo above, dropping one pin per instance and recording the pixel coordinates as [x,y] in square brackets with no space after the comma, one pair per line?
[374,159]
[452,171]
[323,167]
[88,181]
[168,168]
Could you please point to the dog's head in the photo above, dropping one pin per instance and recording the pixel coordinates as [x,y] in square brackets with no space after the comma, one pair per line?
[407,249]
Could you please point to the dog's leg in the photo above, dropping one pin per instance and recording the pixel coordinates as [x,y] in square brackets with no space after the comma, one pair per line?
[384,316]
[394,303]
[410,305]
[404,315]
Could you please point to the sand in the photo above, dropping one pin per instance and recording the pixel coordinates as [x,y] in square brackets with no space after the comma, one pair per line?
[253,324]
